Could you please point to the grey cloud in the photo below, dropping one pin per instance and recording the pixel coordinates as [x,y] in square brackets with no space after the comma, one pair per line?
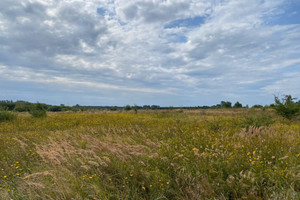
[33,36]
[229,54]
[153,11]
[130,12]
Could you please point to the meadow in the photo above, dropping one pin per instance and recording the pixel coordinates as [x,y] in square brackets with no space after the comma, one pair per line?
[175,154]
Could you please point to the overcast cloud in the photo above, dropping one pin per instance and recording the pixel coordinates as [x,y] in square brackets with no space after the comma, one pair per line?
[165,52]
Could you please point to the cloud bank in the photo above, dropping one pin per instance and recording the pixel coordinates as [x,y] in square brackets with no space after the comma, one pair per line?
[179,52]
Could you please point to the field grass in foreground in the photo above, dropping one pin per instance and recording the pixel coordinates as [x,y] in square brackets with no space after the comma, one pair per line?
[210,154]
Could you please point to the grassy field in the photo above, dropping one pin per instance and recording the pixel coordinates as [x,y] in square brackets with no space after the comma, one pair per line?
[208,154]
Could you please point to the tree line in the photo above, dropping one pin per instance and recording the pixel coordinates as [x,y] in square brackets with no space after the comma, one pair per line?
[24,106]
[287,107]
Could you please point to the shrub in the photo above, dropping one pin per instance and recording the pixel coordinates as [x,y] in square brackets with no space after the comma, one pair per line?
[114,108]
[127,108]
[38,111]
[55,108]
[7,105]
[22,106]
[7,116]
[286,107]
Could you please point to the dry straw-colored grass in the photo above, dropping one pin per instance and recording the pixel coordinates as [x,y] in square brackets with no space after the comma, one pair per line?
[211,154]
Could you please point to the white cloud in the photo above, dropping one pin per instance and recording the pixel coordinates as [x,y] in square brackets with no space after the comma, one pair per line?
[289,84]
[127,47]
[20,74]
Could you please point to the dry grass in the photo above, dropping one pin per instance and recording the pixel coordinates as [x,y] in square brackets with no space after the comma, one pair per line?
[211,154]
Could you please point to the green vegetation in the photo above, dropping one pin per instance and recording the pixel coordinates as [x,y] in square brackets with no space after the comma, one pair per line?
[257,106]
[23,106]
[135,108]
[257,119]
[286,107]
[237,105]
[162,154]
[38,110]
[127,108]
[225,104]
[7,116]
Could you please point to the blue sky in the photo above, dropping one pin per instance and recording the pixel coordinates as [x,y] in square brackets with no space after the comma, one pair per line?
[162,52]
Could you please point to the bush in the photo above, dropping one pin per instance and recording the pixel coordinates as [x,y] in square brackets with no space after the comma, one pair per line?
[22,106]
[7,105]
[127,108]
[7,116]
[114,108]
[54,108]
[286,108]
[38,111]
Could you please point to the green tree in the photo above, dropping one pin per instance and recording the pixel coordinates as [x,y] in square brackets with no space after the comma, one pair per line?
[237,105]
[225,104]
[127,108]
[257,106]
[286,107]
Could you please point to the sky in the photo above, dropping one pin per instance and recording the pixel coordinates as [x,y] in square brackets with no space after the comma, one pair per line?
[149,52]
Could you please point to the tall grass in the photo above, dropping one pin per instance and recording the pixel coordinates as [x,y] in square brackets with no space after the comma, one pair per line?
[167,155]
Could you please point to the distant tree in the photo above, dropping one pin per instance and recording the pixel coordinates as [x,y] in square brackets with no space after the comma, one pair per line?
[55,108]
[83,108]
[127,108]
[155,107]
[225,104]
[286,107]
[114,108]
[7,105]
[216,106]
[146,107]
[79,107]
[67,108]
[257,106]
[237,105]
[22,106]
[272,105]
